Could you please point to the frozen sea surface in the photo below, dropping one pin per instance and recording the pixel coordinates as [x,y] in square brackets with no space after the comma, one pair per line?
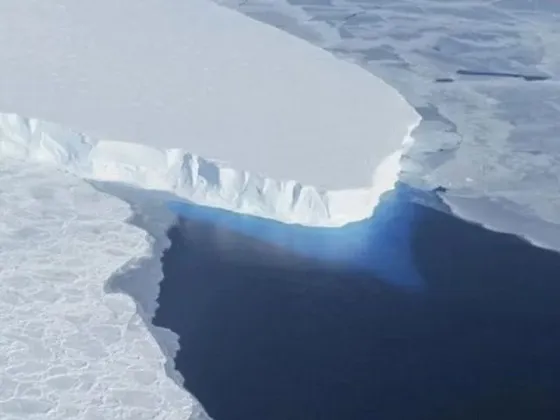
[451,322]
[68,348]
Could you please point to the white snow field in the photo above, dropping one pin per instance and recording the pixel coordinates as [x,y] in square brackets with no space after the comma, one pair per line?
[68,349]
[213,106]
[492,142]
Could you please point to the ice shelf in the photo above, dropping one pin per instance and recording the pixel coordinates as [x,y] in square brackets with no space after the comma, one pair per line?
[208,103]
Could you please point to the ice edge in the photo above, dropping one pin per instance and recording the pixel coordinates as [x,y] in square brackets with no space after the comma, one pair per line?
[194,178]
[140,277]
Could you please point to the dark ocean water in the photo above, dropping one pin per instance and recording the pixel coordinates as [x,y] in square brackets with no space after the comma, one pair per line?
[412,314]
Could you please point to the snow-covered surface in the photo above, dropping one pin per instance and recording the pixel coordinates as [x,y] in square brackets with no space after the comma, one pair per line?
[486,139]
[196,76]
[69,350]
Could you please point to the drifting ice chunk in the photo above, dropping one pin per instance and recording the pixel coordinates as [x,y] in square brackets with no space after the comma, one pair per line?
[189,79]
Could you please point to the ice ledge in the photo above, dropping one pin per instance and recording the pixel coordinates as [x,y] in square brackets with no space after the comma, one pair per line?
[192,177]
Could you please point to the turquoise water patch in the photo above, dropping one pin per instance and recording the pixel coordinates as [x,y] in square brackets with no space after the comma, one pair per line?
[378,245]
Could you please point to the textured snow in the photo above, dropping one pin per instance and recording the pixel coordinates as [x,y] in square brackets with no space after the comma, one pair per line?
[118,70]
[287,121]
[69,350]
[492,142]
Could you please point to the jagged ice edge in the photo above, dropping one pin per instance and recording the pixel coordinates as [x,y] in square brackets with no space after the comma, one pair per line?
[194,178]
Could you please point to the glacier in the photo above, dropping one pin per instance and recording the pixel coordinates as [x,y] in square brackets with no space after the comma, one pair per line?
[246,118]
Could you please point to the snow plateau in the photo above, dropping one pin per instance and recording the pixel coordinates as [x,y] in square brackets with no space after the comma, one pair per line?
[219,109]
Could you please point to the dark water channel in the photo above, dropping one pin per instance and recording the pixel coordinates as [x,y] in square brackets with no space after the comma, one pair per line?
[424,317]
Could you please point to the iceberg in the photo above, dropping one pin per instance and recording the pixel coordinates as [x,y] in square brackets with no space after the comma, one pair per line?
[213,106]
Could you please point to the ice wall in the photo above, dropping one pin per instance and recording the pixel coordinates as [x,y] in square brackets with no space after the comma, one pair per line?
[189,176]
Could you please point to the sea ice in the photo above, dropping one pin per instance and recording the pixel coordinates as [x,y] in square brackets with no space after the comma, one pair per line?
[69,350]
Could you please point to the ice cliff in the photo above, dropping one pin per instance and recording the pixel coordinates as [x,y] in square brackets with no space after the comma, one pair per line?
[190,176]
